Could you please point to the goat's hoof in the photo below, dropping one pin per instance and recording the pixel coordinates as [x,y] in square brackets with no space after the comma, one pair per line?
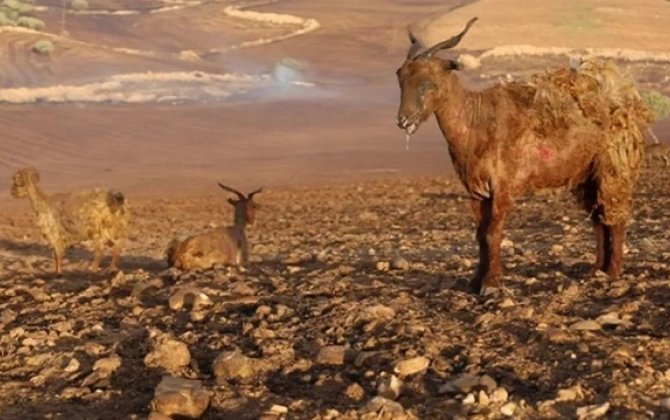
[491,291]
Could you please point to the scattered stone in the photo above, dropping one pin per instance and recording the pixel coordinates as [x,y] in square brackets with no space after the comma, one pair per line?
[463,383]
[610,318]
[558,336]
[411,366]
[570,394]
[180,397]
[383,265]
[72,366]
[665,403]
[507,303]
[385,406]
[483,398]
[379,312]
[334,355]
[592,411]
[399,263]
[488,383]
[499,395]
[586,325]
[469,399]
[158,416]
[508,409]
[107,365]
[168,353]
[389,386]
[233,365]
[190,296]
[355,392]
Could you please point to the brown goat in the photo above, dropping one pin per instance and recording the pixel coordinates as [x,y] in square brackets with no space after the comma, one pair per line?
[580,128]
[65,219]
[226,245]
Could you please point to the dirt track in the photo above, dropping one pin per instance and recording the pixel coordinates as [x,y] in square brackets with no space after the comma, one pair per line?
[315,282]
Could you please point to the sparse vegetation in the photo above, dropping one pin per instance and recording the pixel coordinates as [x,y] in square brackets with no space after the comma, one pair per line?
[79,4]
[30,23]
[43,47]
[17,13]
[658,102]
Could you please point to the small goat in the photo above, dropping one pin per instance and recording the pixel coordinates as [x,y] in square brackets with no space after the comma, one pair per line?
[658,152]
[578,128]
[65,219]
[226,245]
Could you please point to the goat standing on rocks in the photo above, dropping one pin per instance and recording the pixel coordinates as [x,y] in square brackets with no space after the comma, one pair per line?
[99,216]
[580,128]
[226,245]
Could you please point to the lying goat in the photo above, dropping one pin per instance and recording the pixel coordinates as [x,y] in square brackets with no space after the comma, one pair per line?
[66,219]
[580,128]
[226,245]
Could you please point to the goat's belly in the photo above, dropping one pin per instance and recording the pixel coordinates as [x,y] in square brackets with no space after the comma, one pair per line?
[546,166]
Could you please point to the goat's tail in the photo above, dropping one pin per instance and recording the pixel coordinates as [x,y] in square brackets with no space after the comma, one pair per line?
[171,252]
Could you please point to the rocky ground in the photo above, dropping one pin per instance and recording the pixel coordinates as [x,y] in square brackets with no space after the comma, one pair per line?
[356,306]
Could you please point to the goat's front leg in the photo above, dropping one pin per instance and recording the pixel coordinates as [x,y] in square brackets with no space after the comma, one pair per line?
[617,235]
[116,256]
[491,214]
[602,245]
[97,257]
[58,259]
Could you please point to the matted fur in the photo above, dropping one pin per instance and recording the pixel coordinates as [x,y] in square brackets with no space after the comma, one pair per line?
[99,216]
[605,106]
[220,246]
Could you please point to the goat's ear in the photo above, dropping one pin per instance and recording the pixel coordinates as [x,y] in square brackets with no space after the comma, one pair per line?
[232,202]
[452,65]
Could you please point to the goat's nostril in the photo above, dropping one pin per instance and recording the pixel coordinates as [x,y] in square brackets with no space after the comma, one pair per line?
[401,121]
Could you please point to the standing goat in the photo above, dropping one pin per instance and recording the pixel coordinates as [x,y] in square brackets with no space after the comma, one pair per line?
[226,245]
[65,219]
[578,128]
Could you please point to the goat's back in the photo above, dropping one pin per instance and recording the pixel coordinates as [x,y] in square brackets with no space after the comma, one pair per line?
[205,250]
[96,214]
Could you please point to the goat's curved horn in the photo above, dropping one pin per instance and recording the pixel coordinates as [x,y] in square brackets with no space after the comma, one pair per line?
[251,194]
[232,190]
[415,45]
[449,43]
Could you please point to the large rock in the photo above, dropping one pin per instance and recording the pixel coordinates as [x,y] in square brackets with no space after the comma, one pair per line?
[233,365]
[168,353]
[180,397]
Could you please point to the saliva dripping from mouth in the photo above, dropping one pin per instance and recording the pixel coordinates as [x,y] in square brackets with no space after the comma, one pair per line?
[407,138]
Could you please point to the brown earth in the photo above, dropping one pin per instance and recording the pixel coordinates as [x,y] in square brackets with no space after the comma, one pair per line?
[344,199]
[556,342]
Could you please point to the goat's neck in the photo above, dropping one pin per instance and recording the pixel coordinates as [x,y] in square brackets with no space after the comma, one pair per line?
[38,199]
[456,115]
[240,222]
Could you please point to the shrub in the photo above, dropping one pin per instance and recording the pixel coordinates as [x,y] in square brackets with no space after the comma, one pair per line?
[43,47]
[30,23]
[20,7]
[6,20]
[659,103]
[79,4]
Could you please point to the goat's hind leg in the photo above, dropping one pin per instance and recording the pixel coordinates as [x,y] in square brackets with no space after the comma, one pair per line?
[97,257]
[617,237]
[116,256]
[603,250]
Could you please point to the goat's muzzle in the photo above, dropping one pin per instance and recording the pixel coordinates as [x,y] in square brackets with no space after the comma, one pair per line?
[407,124]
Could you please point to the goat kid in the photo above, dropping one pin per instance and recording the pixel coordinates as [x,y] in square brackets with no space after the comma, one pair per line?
[98,216]
[226,245]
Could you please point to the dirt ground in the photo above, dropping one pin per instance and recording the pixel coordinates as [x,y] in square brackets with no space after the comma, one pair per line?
[556,342]
[356,304]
